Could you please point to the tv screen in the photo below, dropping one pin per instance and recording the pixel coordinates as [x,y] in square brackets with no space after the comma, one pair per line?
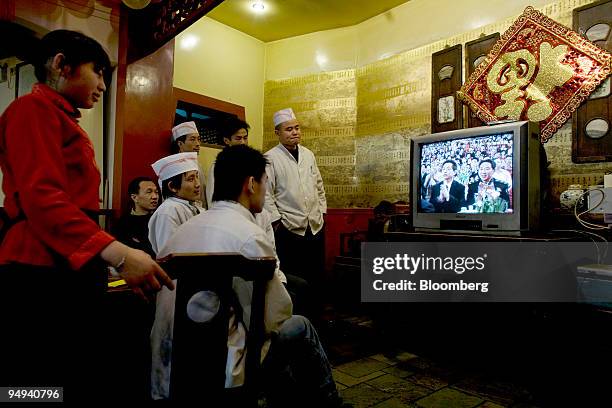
[484,179]
[467,175]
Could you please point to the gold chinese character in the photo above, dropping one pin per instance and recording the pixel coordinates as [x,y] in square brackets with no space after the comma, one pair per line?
[514,70]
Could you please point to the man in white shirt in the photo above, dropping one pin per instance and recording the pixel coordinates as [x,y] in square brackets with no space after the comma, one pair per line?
[296,200]
[295,364]
[235,132]
[186,138]
[180,185]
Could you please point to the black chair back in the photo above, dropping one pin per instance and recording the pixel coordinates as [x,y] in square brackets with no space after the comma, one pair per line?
[199,351]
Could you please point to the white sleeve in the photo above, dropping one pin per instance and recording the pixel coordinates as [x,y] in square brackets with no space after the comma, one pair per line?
[265,222]
[320,188]
[270,203]
[160,230]
[278,302]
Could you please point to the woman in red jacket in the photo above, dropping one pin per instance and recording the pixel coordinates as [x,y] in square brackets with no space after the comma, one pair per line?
[53,256]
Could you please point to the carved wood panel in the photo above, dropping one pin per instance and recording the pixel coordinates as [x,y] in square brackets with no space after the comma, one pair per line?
[446,78]
[475,53]
[158,23]
[591,133]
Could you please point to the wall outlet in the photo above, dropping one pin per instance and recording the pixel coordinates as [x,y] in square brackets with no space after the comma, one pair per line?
[605,207]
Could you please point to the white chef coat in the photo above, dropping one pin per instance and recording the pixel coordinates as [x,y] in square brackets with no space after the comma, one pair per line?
[263,219]
[295,191]
[227,227]
[166,219]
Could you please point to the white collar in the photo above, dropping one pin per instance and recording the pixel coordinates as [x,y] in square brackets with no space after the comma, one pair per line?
[191,204]
[282,146]
[235,206]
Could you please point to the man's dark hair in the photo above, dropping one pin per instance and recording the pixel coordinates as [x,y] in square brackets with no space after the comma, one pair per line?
[176,181]
[174,148]
[487,161]
[134,187]
[451,162]
[230,126]
[77,49]
[233,166]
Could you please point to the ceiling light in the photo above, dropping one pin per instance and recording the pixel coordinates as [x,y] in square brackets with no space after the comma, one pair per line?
[321,59]
[258,6]
[189,41]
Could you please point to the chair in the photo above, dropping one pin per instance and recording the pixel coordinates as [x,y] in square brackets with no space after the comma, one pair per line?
[199,350]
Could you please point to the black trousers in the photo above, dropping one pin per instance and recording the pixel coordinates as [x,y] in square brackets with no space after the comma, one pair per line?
[302,256]
[53,331]
[302,260]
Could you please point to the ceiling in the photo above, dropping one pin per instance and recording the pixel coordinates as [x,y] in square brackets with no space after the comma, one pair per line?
[288,18]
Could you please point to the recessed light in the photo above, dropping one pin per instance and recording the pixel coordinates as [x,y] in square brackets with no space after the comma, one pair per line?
[321,59]
[189,41]
[258,6]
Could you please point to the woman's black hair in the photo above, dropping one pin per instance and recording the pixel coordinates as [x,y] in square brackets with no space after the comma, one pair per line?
[77,49]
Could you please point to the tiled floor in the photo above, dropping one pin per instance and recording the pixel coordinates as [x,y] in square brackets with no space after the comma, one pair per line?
[402,379]
[370,377]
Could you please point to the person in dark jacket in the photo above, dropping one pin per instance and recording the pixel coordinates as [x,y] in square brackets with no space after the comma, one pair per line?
[133,228]
[448,195]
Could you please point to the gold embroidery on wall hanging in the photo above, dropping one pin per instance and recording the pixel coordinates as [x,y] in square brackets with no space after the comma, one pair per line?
[539,71]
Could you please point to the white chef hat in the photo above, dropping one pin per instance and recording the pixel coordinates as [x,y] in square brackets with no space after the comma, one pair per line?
[283,115]
[179,163]
[183,129]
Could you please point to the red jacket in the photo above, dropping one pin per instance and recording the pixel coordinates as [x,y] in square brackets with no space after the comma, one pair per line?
[49,173]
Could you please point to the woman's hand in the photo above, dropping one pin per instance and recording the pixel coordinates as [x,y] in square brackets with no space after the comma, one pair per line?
[137,268]
[143,274]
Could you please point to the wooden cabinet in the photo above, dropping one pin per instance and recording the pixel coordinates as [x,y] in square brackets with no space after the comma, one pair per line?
[591,136]
[475,53]
[446,79]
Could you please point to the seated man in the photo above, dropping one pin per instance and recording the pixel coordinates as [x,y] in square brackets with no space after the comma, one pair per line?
[487,193]
[180,184]
[448,194]
[295,363]
[133,228]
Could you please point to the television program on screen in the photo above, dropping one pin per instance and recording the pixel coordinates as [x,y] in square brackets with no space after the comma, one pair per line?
[468,175]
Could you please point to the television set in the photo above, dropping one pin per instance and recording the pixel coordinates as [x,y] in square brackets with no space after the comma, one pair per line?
[478,180]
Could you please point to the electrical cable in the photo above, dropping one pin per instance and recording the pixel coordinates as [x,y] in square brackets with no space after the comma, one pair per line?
[586,224]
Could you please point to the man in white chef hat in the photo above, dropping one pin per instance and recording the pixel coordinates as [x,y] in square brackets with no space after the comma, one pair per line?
[296,370]
[180,186]
[296,200]
[186,138]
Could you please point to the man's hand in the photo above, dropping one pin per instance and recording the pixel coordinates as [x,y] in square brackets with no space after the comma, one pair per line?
[444,193]
[143,274]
